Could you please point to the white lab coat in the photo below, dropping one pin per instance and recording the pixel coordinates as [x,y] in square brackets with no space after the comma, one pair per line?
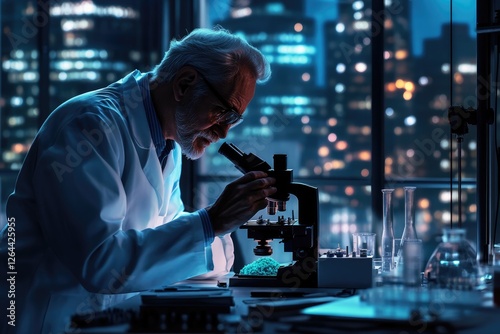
[96,218]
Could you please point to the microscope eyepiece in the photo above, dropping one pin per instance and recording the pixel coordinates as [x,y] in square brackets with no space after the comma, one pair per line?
[243,162]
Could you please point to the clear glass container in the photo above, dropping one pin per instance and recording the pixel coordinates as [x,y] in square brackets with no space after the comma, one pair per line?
[387,231]
[409,231]
[453,264]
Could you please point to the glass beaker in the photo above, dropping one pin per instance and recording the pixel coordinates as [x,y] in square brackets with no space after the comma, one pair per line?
[453,264]
[412,262]
[496,255]
[397,252]
[363,244]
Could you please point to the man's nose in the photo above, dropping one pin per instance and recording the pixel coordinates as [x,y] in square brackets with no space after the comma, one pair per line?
[222,130]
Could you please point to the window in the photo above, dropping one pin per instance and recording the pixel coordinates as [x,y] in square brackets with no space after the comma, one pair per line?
[318,108]
[76,57]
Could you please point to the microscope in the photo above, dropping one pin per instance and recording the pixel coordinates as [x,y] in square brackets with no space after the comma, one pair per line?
[299,237]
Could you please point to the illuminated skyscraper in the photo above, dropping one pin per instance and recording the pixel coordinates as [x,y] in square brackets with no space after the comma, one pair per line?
[348,59]
[290,103]
[91,44]
[348,62]
[433,72]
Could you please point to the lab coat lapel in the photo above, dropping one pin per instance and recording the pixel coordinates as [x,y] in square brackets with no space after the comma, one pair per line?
[135,113]
[169,181]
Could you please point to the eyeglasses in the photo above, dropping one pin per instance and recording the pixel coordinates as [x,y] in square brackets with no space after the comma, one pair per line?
[228,116]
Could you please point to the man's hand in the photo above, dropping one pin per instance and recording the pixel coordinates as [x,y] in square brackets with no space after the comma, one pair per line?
[240,200]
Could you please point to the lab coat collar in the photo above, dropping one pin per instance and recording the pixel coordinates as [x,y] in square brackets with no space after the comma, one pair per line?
[134,109]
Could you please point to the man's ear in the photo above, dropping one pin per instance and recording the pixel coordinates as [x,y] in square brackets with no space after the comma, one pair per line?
[185,79]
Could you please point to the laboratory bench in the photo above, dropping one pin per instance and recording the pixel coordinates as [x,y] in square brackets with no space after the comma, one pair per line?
[211,306]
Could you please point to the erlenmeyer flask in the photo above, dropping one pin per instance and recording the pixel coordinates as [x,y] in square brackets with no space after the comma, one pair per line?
[409,231]
[387,231]
[453,264]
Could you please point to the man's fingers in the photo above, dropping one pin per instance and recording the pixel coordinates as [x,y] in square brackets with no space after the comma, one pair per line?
[251,176]
[269,191]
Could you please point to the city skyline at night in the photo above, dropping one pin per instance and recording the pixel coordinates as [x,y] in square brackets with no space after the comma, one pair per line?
[316,108]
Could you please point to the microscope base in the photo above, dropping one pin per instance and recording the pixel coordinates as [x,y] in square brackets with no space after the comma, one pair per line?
[345,272]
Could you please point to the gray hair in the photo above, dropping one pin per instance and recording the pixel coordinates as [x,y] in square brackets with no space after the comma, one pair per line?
[216,53]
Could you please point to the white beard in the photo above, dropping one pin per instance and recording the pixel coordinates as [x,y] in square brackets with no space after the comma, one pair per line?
[191,140]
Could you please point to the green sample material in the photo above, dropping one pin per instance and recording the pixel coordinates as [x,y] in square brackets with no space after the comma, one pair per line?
[264,266]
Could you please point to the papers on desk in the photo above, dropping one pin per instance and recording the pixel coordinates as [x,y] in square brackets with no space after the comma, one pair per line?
[180,298]
[434,313]
[187,296]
